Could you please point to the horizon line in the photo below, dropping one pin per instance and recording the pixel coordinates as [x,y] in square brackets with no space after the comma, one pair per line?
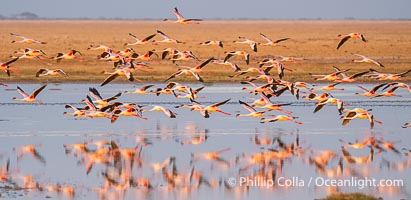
[205,19]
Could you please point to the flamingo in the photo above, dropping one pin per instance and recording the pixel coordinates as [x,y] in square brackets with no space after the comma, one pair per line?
[100,47]
[169,52]
[213,43]
[289,59]
[266,88]
[271,61]
[127,52]
[77,112]
[317,97]
[389,93]
[359,113]
[252,111]
[167,90]
[166,111]
[227,63]
[264,77]
[183,55]
[142,90]
[110,57]
[365,59]
[328,77]
[398,84]
[280,118]
[29,98]
[371,92]
[69,55]
[26,40]
[331,100]
[386,76]
[195,106]
[329,87]
[348,36]
[271,42]
[99,99]
[238,53]
[139,41]
[93,112]
[406,125]
[190,70]
[267,104]
[119,72]
[32,53]
[178,86]
[166,38]
[214,107]
[303,85]
[6,65]
[253,44]
[127,112]
[348,79]
[50,72]
[191,95]
[146,56]
[253,69]
[181,19]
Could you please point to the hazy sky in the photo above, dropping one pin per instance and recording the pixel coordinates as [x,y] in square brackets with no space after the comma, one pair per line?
[158,9]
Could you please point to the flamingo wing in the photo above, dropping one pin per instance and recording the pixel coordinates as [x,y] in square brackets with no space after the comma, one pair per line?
[178,73]
[21,91]
[148,37]
[10,61]
[134,36]
[94,93]
[146,87]
[197,76]
[206,62]
[266,38]
[358,74]
[377,87]
[342,41]
[178,14]
[114,97]
[163,35]
[37,91]
[281,40]
[109,79]
[247,57]
[220,103]
[228,56]
[246,106]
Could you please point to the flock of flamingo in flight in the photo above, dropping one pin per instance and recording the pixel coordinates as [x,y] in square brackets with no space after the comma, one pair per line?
[120,161]
[128,61]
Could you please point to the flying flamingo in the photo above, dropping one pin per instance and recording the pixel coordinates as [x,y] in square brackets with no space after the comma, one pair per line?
[29,98]
[181,19]
[26,40]
[348,36]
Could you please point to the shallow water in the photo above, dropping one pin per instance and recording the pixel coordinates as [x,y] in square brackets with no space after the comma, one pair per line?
[48,129]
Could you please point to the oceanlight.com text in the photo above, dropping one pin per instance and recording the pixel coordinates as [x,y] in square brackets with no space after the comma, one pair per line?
[356,182]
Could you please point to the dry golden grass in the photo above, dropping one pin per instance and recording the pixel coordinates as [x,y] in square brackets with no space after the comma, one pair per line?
[315,41]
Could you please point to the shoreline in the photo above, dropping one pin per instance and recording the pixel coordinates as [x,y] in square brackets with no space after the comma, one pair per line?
[186,82]
[210,19]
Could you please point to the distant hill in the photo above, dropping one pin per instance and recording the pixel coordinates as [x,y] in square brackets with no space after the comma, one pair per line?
[26,15]
[23,15]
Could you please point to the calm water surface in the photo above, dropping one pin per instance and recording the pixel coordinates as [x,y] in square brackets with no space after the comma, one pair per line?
[187,138]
